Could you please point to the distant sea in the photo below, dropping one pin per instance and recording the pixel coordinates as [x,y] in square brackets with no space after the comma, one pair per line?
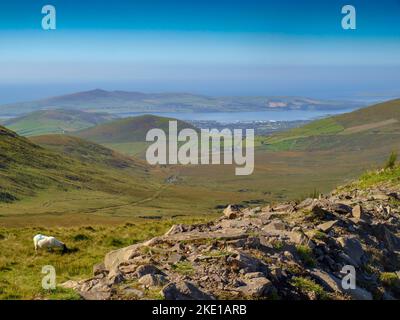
[231,117]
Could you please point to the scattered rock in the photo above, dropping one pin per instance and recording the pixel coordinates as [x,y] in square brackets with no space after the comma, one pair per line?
[147,269]
[99,268]
[358,213]
[153,280]
[341,208]
[175,229]
[275,225]
[254,253]
[352,247]
[128,291]
[184,290]
[256,287]
[232,211]
[174,258]
[390,240]
[95,295]
[115,276]
[325,227]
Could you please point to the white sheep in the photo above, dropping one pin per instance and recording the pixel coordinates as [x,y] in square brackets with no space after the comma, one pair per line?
[40,241]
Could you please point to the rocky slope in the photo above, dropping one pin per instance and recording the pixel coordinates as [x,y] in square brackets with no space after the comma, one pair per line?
[285,251]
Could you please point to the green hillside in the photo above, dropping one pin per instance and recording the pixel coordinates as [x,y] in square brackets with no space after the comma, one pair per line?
[87,151]
[365,127]
[27,169]
[55,121]
[66,181]
[128,135]
[128,129]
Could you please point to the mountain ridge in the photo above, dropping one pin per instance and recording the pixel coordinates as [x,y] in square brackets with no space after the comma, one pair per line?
[119,101]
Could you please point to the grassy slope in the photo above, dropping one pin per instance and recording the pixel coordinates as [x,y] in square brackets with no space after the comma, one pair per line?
[55,121]
[20,267]
[320,156]
[87,151]
[28,168]
[79,182]
[128,135]
[133,129]
[362,128]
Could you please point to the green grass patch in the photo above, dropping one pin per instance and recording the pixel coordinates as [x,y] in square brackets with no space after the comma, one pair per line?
[307,286]
[389,279]
[183,267]
[287,140]
[306,255]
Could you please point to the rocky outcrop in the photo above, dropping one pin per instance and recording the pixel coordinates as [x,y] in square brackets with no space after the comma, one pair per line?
[287,251]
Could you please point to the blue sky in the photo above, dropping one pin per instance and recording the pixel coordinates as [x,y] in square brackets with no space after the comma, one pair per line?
[213,47]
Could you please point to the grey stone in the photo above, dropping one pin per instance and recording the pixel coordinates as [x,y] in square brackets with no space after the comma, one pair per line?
[390,240]
[358,213]
[274,226]
[115,276]
[147,269]
[256,287]
[184,290]
[95,295]
[99,268]
[325,227]
[352,248]
[240,260]
[133,292]
[232,211]
[153,280]
[341,208]
[174,258]
[334,284]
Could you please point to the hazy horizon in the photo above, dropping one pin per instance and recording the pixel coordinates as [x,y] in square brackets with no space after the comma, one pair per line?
[235,48]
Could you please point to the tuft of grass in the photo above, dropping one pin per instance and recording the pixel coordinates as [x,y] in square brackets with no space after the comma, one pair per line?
[306,255]
[307,286]
[115,242]
[183,267]
[218,254]
[320,235]
[391,161]
[81,237]
[278,244]
[372,178]
[389,279]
